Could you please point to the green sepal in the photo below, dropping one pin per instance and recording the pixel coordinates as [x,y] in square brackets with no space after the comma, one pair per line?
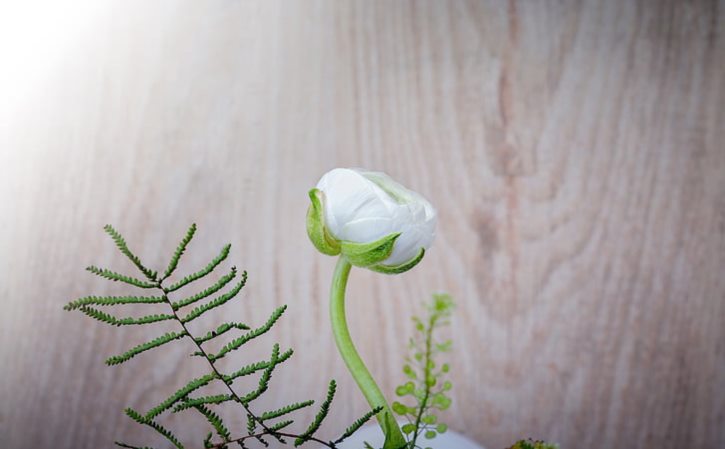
[367,254]
[316,229]
[397,269]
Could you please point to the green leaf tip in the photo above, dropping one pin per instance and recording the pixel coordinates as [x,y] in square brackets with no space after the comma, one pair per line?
[316,229]
[116,277]
[136,350]
[285,410]
[204,271]
[367,254]
[355,426]
[123,247]
[533,444]
[112,320]
[397,269]
[136,416]
[321,415]
[112,301]
[174,262]
[216,422]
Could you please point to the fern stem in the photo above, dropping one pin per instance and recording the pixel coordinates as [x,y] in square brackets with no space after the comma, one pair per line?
[426,375]
[275,432]
[393,436]
[266,430]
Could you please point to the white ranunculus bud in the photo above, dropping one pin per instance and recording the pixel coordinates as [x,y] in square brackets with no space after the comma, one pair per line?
[371,219]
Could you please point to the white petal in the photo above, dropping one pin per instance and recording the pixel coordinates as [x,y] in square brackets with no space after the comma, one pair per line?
[349,196]
[365,230]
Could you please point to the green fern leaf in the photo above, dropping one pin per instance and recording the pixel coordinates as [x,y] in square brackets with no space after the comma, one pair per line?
[251,424]
[156,342]
[204,400]
[222,329]
[136,416]
[264,378]
[204,271]
[180,394]
[355,426]
[121,444]
[113,276]
[121,244]
[284,410]
[215,421]
[280,425]
[224,280]
[112,320]
[207,441]
[321,415]
[198,311]
[112,301]
[174,262]
[254,367]
[238,342]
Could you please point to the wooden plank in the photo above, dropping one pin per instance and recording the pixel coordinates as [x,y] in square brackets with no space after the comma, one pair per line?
[574,151]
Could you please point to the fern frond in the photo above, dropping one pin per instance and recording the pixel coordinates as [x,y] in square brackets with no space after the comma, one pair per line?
[174,262]
[280,425]
[321,415]
[156,342]
[204,400]
[204,271]
[123,247]
[254,367]
[207,441]
[264,378]
[251,423]
[112,320]
[136,416]
[112,301]
[121,444]
[198,311]
[224,280]
[358,423]
[223,328]
[216,422]
[284,410]
[180,394]
[238,342]
[113,276]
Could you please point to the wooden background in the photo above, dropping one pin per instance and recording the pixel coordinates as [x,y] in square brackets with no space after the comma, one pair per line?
[574,151]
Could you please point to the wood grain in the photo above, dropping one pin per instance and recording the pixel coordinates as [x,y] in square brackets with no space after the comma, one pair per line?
[574,151]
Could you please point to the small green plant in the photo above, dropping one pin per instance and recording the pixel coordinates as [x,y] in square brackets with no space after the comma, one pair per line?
[426,388]
[261,425]
[531,444]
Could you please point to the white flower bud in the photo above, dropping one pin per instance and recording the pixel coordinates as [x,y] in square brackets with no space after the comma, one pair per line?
[364,207]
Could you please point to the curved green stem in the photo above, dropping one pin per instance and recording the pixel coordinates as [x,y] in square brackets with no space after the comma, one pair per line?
[393,436]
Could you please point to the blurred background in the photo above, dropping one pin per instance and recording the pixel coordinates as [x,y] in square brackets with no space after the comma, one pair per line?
[574,151]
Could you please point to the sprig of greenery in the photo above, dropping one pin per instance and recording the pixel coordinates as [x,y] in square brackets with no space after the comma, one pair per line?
[426,386]
[259,425]
[531,444]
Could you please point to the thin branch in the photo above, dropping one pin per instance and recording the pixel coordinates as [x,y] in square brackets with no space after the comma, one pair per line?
[265,429]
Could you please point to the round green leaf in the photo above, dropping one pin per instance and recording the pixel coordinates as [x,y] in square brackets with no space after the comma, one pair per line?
[399,408]
[430,419]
